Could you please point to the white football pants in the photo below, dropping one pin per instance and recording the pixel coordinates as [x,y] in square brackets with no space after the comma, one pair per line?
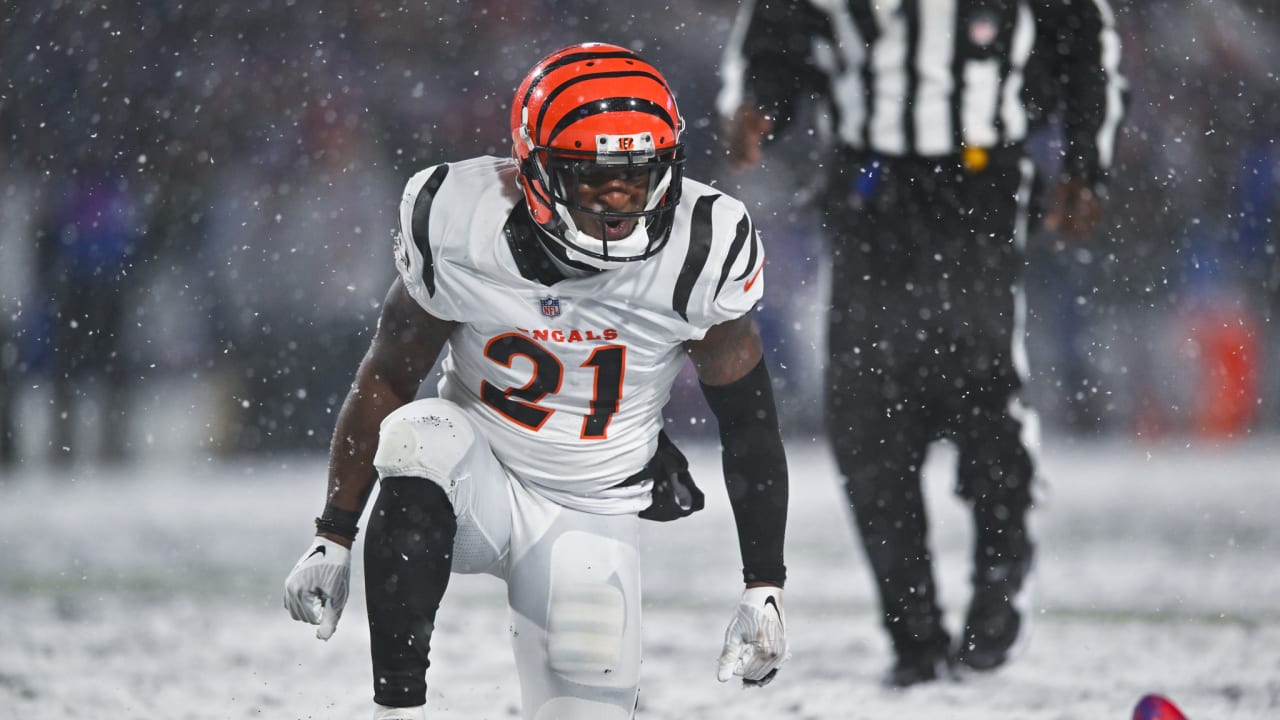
[573,578]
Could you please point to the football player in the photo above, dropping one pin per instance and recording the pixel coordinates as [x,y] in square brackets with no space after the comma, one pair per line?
[565,286]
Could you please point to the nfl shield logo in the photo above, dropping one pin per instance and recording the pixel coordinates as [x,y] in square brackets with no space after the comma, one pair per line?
[550,306]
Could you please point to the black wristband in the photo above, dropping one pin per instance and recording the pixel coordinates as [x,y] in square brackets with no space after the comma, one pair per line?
[337,521]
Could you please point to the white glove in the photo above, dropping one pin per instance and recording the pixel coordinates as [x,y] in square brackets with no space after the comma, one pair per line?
[755,645]
[316,589]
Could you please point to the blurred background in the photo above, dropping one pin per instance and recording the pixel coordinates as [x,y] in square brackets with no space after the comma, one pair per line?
[197,203]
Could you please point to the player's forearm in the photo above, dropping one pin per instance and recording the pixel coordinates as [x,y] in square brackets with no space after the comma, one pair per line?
[406,344]
[373,396]
[755,472]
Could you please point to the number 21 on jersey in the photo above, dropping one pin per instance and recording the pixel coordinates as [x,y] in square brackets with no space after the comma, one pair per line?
[520,404]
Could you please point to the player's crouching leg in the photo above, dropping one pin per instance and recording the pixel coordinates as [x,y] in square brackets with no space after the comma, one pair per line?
[410,545]
[574,589]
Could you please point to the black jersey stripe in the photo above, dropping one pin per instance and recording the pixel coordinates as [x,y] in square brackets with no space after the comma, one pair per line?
[911,14]
[421,225]
[696,258]
[1006,69]
[754,241]
[739,239]
[958,83]
[569,60]
[865,19]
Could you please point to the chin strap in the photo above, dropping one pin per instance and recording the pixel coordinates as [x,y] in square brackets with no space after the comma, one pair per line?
[560,254]
[639,238]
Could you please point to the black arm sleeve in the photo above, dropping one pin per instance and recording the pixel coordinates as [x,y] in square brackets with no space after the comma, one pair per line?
[1078,43]
[755,471]
[776,48]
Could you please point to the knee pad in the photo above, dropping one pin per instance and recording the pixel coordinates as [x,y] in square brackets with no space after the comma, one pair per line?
[426,438]
[585,625]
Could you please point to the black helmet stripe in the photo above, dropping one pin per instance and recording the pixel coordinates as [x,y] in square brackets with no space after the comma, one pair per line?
[551,96]
[573,58]
[613,104]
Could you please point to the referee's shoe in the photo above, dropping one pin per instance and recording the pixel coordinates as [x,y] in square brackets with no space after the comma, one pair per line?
[995,627]
[925,666]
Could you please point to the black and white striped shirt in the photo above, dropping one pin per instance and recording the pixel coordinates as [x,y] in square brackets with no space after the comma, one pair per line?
[931,77]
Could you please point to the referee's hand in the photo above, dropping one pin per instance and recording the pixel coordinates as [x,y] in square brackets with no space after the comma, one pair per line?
[744,134]
[1074,208]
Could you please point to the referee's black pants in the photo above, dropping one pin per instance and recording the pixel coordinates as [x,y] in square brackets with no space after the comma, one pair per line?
[925,344]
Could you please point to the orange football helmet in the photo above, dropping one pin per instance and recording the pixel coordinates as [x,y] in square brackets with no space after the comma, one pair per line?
[589,109]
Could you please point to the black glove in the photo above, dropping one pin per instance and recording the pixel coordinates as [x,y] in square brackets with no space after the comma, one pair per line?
[674,494]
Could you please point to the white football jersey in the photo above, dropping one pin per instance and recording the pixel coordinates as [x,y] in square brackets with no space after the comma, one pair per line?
[568,379]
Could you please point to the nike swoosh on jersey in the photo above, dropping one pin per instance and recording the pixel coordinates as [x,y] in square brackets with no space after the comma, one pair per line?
[752,281]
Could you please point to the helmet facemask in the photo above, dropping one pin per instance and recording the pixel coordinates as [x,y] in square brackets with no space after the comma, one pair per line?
[572,182]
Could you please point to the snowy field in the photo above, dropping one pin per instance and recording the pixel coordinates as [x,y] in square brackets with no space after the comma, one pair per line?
[154,592]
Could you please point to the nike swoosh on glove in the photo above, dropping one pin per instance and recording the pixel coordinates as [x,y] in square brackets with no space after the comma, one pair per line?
[755,645]
[317,587]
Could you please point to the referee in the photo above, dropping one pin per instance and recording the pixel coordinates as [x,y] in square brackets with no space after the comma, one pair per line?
[927,210]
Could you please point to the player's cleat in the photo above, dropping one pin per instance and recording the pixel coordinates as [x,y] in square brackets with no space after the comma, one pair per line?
[1157,707]
[382,712]
[996,623]
[919,668]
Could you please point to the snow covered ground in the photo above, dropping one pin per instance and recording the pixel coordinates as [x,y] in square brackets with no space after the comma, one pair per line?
[154,591]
